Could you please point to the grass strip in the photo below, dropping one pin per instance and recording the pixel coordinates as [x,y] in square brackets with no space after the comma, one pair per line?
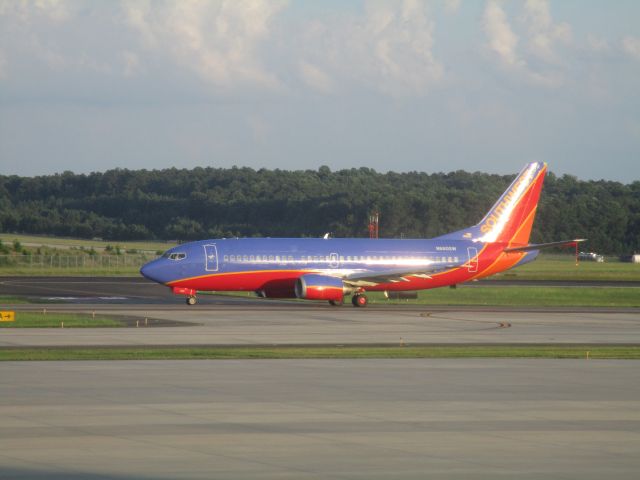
[332,352]
[551,267]
[522,296]
[8,300]
[44,240]
[59,320]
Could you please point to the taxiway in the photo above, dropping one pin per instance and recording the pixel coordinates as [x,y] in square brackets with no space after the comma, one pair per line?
[304,419]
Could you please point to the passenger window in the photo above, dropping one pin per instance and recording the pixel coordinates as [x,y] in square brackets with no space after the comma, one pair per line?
[226,258]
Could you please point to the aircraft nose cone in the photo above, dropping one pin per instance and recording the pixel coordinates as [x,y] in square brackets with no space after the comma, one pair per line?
[149,271]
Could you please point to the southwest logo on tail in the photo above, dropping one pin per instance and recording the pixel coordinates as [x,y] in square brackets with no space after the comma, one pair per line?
[331,268]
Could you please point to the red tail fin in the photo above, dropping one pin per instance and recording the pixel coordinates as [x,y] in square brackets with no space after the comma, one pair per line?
[511,218]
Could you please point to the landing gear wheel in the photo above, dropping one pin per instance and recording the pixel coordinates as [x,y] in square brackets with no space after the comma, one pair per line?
[336,303]
[191,300]
[360,300]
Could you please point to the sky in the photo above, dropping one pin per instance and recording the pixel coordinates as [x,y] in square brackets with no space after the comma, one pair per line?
[432,86]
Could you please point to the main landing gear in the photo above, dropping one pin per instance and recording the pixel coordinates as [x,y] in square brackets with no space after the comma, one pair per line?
[191,300]
[359,300]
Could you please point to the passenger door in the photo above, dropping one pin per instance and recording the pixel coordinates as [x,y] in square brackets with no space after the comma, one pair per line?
[211,258]
[472,266]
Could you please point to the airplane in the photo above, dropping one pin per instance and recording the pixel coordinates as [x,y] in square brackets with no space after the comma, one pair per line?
[330,269]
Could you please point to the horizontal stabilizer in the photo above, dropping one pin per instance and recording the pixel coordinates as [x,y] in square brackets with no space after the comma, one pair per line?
[539,246]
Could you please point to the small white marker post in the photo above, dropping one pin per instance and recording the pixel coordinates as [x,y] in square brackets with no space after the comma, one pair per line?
[61,324]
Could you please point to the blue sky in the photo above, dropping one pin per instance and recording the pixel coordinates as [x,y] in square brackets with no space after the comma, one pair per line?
[393,85]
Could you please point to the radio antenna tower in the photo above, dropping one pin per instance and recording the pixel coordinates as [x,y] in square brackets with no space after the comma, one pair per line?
[374,224]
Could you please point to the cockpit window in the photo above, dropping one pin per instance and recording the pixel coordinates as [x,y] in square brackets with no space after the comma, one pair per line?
[175,256]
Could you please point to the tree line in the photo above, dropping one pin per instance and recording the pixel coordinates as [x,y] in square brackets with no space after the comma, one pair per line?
[188,204]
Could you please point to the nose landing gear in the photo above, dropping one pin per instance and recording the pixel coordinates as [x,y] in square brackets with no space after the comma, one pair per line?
[191,300]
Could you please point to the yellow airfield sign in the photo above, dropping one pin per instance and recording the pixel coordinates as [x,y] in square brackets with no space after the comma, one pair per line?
[6,316]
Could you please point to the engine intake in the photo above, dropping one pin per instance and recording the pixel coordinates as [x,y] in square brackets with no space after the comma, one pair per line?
[320,287]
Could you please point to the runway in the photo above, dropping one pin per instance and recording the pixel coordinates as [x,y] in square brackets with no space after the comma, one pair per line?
[250,321]
[274,324]
[138,290]
[311,419]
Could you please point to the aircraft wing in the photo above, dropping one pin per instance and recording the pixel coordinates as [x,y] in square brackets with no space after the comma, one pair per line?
[396,275]
[539,246]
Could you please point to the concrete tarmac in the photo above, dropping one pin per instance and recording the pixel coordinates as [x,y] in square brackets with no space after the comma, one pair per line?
[250,321]
[319,419]
[267,323]
[140,291]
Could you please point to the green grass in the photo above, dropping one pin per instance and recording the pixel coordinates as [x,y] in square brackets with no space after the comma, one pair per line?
[563,267]
[62,242]
[522,296]
[502,295]
[81,272]
[346,352]
[8,300]
[56,320]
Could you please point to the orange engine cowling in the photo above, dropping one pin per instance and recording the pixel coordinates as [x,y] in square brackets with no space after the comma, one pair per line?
[320,287]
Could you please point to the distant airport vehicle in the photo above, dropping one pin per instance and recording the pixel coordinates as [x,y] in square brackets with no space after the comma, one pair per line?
[332,268]
[591,256]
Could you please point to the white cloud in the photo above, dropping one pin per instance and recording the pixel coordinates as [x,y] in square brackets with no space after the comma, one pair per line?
[131,63]
[541,37]
[25,11]
[597,44]
[218,40]
[452,6]
[315,77]
[543,33]
[502,40]
[389,49]
[631,46]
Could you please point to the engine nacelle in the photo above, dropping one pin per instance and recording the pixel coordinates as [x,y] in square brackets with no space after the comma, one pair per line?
[320,287]
[280,288]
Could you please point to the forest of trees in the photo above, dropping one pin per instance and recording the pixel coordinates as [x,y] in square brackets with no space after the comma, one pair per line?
[181,204]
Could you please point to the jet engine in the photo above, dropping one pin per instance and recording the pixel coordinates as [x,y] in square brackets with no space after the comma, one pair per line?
[320,287]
